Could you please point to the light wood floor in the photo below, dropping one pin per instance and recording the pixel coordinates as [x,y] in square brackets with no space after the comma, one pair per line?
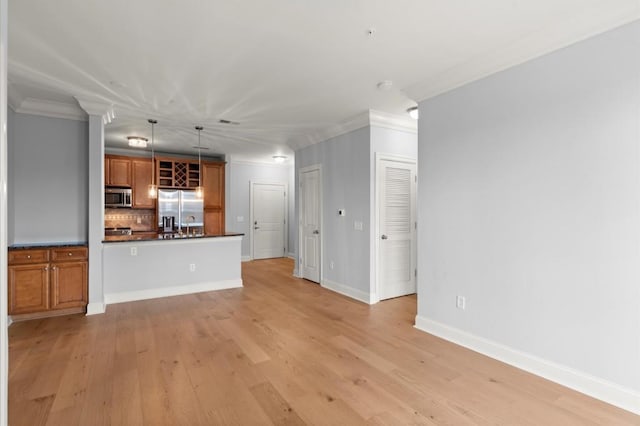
[279,351]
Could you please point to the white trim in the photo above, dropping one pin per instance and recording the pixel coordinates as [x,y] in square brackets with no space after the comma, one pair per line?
[154,293]
[4,326]
[321,135]
[368,118]
[534,45]
[291,255]
[296,273]
[403,123]
[246,259]
[96,308]
[301,171]
[604,390]
[285,164]
[99,108]
[47,108]
[285,229]
[374,269]
[345,290]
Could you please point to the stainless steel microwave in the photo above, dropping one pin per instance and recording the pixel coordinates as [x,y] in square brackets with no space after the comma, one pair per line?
[117,197]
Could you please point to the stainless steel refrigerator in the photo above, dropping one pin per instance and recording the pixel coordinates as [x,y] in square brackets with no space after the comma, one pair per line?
[184,206]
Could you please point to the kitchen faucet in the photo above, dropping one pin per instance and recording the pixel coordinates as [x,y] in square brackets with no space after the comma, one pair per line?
[192,218]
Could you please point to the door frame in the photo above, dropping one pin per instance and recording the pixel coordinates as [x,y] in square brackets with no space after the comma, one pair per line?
[375,232]
[286,213]
[301,171]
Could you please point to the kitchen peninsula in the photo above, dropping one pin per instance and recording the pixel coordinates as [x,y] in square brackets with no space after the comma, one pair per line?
[136,269]
[168,244]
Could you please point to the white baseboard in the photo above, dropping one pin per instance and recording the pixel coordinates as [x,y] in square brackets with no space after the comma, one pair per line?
[153,293]
[9,321]
[595,387]
[296,273]
[291,256]
[246,258]
[345,290]
[96,308]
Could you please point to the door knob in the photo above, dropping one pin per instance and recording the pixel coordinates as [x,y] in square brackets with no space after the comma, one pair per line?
[384,237]
[316,232]
[256,227]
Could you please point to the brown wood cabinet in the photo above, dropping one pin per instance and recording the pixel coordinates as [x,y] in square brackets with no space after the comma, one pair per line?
[213,183]
[117,170]
[140,184]
[47,281]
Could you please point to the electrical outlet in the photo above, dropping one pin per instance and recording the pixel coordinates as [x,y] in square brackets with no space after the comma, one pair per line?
[192,267]
[461,302]
[240,219]
[357,225]
[134,251]
[331,264]
[138,220]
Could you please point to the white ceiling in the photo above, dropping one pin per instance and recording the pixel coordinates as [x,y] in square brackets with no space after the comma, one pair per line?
[284,69]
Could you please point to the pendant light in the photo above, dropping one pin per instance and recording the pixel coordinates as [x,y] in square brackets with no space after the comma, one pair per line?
[153,188]
[199,188]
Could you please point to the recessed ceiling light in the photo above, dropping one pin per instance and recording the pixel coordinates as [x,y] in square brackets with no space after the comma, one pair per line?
[279,158]
[137,141]
[413,112]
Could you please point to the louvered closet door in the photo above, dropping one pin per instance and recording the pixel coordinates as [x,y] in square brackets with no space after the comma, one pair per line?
[397,233]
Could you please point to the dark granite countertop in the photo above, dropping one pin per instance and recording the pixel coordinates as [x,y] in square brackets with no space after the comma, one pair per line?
[148,236]
[47,245]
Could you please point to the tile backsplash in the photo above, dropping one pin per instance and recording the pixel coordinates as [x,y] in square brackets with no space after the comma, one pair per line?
[136,219]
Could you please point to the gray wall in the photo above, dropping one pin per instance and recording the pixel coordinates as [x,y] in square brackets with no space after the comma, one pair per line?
[346,182]
[47,179]
[238,178]
[529,206]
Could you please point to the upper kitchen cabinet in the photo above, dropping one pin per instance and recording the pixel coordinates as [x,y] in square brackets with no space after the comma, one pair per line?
[117,171]
[140,184]
[213,183]
[177,173]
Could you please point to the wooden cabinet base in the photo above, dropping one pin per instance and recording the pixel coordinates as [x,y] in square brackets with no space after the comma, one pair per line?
[47,314]
[47,281]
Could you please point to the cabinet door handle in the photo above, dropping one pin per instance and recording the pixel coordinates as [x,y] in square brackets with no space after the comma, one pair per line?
[53,268]
[46,268]
[69,254]
[28,256]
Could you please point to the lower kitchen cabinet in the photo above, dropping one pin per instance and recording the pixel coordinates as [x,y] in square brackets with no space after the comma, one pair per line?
[47,281]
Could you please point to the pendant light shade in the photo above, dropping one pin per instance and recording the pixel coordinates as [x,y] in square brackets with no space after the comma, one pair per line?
[199,188]
[153,188]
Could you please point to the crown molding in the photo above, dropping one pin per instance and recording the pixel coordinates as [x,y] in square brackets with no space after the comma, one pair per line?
[46,108]
[286,164]
[537,44]
[368,118]
[321,135]
[393,121]
[100,108]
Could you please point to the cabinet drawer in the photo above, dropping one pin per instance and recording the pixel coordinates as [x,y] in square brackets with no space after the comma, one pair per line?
[68,253]
[28,256]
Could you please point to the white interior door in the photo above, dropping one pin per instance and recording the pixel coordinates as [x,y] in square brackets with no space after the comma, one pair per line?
[268,214]
[396,228]
[310,186]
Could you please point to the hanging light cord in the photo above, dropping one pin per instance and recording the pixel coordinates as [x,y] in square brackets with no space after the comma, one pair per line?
[199,129]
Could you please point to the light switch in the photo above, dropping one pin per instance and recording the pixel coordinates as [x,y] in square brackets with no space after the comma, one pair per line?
[357,225]
[240,219]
